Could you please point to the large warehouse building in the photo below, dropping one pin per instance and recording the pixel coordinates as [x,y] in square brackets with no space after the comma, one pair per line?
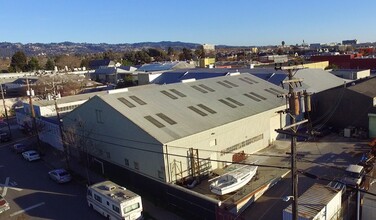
[162,134]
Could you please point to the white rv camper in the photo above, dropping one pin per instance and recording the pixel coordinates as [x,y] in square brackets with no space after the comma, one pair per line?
[114,201]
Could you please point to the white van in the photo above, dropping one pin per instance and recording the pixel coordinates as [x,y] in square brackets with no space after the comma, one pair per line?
[354,175]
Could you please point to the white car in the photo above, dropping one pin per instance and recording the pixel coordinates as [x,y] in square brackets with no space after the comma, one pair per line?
[60,175]
[31,155]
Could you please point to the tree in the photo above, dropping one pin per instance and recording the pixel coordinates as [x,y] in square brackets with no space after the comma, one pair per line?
[142,57]
[170,51]
[199,53]
[18,62]
[283,43]
[186,54]
[50,65]
[33,64]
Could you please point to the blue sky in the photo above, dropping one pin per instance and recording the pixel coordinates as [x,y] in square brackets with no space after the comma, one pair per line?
[229,22]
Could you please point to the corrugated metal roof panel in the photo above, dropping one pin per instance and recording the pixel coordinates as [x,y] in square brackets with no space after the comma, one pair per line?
[189,122]
[312,201]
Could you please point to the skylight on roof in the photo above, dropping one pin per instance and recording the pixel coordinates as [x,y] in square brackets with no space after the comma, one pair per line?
[199,89]
[251,97]
[234,101]
[224,84]
[276,90]
[246,81]
[154,121]
[138,100]
[251,80]
[166,118]
[207,88]
[206,108]
[168,94]
[126,102]
[178,93]
[258,96]
[230,83]
[198,111]
[227,103]
[272,92]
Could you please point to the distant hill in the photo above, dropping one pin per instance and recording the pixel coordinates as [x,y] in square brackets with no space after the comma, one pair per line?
[32,49]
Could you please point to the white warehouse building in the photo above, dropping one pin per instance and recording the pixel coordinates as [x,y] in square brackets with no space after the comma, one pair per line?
[161,131]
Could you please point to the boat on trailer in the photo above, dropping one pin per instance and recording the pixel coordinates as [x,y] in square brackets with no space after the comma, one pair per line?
[233,180]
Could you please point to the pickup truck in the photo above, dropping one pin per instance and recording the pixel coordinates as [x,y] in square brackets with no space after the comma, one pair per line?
[4,205]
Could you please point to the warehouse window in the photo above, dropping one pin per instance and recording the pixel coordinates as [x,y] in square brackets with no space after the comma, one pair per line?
[98,114]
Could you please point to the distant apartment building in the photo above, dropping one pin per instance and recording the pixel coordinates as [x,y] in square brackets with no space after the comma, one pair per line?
[208,47]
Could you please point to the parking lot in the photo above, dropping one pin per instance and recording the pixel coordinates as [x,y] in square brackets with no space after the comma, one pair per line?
[31,194]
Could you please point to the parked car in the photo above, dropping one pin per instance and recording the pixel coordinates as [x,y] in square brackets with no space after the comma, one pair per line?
[5,137]
[60,175]
[19,148]
[4,205]
[31,155]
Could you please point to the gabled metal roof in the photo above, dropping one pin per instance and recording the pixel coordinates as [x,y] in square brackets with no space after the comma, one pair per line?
[174,111]
[312,201]
[366,88]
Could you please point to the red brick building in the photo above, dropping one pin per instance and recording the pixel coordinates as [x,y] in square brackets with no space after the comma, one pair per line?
[348,61]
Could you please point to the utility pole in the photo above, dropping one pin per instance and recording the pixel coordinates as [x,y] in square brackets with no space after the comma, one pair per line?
[5,109]
[293,111]
[65,147]
[30,94]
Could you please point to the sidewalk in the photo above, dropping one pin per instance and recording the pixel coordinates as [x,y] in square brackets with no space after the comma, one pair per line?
[84,176]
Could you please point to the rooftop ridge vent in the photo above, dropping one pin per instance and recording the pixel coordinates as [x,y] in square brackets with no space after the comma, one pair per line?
[114,91]
[188,80]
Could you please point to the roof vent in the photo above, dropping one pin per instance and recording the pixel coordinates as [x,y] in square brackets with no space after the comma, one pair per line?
[188,80]
[234,74]
[109,187]
[117,91]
